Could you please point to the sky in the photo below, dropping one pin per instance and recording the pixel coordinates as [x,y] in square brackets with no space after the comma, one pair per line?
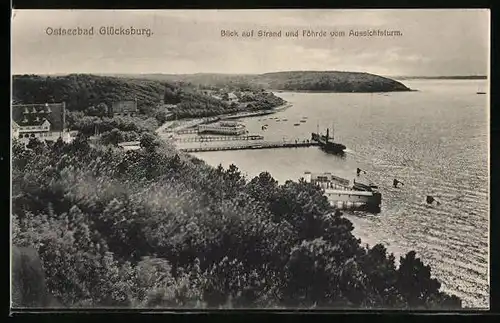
[432,42]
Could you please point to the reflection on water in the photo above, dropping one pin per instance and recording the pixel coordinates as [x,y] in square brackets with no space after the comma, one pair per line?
[435,141]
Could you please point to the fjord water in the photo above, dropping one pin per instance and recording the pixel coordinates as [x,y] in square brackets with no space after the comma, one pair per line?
[434,140]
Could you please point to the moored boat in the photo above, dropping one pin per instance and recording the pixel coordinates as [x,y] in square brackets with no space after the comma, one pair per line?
[327,144]
[342,193]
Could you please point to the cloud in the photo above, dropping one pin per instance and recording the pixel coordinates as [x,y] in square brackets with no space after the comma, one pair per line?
[434,42]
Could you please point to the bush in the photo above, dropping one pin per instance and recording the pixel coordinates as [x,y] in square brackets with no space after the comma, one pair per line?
[153,227]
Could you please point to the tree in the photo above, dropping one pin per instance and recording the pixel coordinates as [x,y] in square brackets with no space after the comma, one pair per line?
[263,187]
[113,137]
[161,116]
[154,227]
[414,281]
[29,288]
[381,274]
[149,142]
[102,109]
[79,145]
[35,144]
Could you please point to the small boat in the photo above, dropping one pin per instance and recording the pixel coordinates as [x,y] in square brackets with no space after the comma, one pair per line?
[296,124]
[480,92]
[284,120]
[304,117]
[430,199]
[303,121]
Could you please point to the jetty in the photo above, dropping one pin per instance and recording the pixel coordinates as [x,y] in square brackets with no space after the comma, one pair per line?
[188,131]
[264,145]
[342,194]
[219,138]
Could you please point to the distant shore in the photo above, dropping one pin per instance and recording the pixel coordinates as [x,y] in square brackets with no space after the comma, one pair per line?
[338,92]
[241,115]
[472,77]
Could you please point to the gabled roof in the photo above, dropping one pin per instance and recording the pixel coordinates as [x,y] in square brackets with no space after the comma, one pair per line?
[29,122]
[53,112]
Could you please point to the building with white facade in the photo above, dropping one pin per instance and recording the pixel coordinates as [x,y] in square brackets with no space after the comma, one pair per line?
[223,128]
[41,121]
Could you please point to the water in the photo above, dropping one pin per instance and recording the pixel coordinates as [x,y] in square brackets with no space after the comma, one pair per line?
[435,141]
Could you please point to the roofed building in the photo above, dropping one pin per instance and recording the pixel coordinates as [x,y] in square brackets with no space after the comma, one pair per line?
[43,121]
[223,128]
[232,97]
[124,108]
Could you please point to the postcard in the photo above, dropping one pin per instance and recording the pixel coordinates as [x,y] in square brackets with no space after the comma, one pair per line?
[250,159]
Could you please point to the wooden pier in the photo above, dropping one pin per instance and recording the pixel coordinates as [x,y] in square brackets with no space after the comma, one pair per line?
[267,145]
[220,138]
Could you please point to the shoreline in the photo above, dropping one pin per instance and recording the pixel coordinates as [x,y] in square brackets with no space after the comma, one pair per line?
[242,115]
[337,92]
[188,122]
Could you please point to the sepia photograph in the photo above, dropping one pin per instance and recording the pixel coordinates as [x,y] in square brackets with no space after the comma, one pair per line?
[271,159]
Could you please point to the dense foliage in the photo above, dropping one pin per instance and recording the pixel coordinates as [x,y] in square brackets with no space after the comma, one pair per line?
[81,91]
[330,81]
[155,228]
[94,95]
